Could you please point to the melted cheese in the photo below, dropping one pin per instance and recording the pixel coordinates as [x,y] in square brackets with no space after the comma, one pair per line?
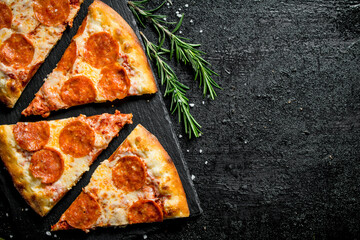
[73,167]
[42,37]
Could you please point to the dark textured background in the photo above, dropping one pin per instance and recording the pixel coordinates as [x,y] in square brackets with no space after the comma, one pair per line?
[281,141]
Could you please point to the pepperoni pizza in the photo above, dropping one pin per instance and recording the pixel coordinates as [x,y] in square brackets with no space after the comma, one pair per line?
[137,184]
[104,62]
[28,31]
[47,158]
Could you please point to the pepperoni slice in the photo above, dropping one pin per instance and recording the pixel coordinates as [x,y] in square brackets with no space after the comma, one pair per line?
[81,28]
[84,212]
[77,139]
[144,211]
[17,51]
[101,49]
[5,16]
[129,174]
[78,90]
[51,12]
[32,136]
[67,61]
[47,164]
[114,83]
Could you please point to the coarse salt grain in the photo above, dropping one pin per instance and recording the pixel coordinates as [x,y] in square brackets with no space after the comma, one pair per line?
[191,21]
[192,177]
[180,136]
[145,236]
[206,162]
[187,150]
[200,151]
[48,233]
[191,104]
[186,5]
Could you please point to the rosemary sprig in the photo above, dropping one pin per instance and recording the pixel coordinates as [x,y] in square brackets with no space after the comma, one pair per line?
[184,51]
[177,90]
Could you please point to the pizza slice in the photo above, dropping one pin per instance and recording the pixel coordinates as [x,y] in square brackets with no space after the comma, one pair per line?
[137,184]
[45,159]
[104,62]
[29,29]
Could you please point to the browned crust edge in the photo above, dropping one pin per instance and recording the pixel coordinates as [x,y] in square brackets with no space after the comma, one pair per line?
[8,156]
[149,141]
[111,13]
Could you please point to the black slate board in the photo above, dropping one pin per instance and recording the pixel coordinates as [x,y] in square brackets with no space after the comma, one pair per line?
[150,111]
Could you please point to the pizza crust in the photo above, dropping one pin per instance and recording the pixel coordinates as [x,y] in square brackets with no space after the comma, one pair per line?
[43,197]
[129,42]
[158,161]
[115,195]
[102,22]
[11,157]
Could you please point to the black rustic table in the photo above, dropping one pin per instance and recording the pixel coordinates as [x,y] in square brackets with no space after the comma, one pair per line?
[280,153]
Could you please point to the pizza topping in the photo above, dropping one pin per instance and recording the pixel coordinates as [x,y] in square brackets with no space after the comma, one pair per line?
[51,12]
[78,90]
[101,49]
[77,139]
[47,164]
[84,212]
[82,27]
[67,61]
[129,174]
[17,50]
[5,16]
[144,211]
[114,83]
[32,136]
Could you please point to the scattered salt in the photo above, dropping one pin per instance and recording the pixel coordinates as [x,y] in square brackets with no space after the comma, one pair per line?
[206,162]
[203,102]
[187,150]
[191,104]
[186,5]
[179,9]
[200,151]
[145,236]
[180,32]
[191,21]
[192,177]
[26,209]
[11,236]
[7,214]
[48,233]
[180,136]
[201,30]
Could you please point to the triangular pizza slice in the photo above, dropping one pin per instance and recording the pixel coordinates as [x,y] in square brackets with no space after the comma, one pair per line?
[137,184]
[104,62]
[29,29]
[45,159]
